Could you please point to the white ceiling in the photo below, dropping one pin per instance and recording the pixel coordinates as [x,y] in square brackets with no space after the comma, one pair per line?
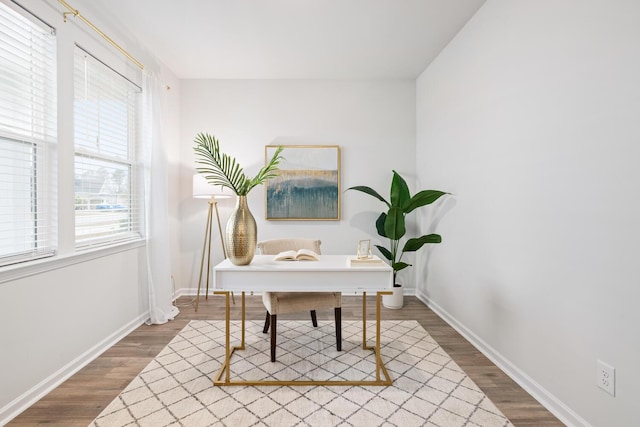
[290,39]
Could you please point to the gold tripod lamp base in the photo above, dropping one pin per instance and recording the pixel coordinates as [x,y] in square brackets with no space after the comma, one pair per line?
[206,250]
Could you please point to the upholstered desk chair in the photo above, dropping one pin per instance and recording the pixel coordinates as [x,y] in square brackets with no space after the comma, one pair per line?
[293,302]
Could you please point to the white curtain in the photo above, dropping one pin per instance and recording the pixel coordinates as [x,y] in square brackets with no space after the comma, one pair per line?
[156,206]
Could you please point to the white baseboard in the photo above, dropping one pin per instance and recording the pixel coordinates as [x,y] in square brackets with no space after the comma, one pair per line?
[181,292]
[22,402]
[542,395]
[192,292]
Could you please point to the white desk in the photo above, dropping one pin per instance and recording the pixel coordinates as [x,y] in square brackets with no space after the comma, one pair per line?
[331,273]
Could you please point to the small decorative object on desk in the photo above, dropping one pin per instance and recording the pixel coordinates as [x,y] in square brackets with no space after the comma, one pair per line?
[364,249]
[372,261]
[299,255]
[363,256]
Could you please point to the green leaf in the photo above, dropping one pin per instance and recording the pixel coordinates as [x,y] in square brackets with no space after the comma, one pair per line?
[394,226]
[391,224]
[370,191]
[385,252]
[268,171]
[425,197]
[414,244]
[221,169]
[218,168]
[400,266]
[380,224]
[399,191]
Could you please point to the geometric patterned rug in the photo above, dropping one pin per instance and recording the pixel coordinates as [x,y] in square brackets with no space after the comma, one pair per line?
[428,389]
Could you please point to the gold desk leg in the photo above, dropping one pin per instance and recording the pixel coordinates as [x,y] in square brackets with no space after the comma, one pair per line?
[379,364]
[378,299]
[243,316]
[227,358]
[375,348]
[226,368]
[364,320]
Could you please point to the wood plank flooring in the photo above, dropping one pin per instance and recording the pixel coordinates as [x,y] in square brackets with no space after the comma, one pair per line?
[82,397]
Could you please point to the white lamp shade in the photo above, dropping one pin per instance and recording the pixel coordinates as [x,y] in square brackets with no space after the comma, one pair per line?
[203,190]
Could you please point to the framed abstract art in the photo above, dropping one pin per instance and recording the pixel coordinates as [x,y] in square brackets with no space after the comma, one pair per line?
[308,183]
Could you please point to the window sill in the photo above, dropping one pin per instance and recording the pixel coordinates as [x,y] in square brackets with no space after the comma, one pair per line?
[19,271]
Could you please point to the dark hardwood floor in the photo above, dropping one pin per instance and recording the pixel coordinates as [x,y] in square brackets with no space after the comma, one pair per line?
[82,397]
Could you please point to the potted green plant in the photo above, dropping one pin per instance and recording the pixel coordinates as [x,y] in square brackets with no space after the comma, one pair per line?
[391,225]
[223,170]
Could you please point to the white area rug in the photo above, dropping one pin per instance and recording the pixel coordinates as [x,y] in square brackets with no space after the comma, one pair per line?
[176,388]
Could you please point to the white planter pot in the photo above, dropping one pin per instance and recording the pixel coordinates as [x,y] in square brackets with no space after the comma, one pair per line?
[396,300]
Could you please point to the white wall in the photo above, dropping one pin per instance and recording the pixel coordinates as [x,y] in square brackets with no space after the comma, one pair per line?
[530,116]
[59,316]
[54,322]
[373,122]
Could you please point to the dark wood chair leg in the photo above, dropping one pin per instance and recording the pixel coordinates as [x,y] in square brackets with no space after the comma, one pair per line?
[314,319]
[266,324]
[338,315]
[273,337]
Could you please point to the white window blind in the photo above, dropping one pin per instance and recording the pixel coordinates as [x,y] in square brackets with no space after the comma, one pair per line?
[27,138]
[105,133]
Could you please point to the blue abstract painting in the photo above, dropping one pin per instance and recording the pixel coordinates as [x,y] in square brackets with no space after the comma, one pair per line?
[307,185]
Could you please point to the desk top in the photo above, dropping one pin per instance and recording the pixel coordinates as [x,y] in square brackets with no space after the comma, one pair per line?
[324,263]
[329,273]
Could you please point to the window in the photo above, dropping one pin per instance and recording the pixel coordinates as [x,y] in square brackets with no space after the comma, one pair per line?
[27,138]
[105,132]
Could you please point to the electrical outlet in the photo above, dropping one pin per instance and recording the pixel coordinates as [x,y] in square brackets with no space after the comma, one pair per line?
[606,377]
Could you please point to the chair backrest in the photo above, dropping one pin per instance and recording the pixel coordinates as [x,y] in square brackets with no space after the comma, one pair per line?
[274,247]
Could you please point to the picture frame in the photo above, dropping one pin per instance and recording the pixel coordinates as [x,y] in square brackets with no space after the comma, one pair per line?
[364,249]
[307,186]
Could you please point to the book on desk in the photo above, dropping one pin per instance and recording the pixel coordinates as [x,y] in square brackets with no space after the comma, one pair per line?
[299,255]
[372,261]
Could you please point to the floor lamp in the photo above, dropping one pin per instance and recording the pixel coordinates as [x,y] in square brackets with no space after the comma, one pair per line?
[203,190]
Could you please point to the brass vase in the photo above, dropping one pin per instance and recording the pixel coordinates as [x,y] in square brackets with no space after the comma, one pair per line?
[242,234]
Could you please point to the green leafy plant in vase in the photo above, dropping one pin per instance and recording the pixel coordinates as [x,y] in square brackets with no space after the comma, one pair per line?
[221,169]
[392,225]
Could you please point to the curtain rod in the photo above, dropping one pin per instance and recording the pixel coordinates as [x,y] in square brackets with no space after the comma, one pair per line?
[108,66]
[51,27]
[75,13]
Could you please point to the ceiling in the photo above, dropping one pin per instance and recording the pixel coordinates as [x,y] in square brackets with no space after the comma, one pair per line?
[289,39]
